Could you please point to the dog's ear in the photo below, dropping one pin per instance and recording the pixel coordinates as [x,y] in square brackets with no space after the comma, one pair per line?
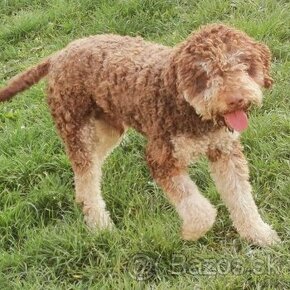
[265,55]
[259,60]
[193,77]
[188,72]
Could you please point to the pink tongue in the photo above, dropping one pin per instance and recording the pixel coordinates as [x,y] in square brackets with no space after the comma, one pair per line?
[237,120]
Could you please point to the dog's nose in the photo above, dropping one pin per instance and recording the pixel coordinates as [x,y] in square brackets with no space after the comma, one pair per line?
[235,101]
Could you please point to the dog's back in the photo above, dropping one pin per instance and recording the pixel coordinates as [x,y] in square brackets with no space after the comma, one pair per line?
[94,59]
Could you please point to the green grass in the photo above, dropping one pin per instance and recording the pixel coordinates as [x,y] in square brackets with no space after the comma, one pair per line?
[43,242]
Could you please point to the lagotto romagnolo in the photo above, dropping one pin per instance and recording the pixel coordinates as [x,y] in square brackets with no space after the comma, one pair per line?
[188,100]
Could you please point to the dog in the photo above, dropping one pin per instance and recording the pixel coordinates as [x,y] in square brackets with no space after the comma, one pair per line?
[189,100]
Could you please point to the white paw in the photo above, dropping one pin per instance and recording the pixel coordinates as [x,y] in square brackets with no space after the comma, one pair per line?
[198,217]
[260,234]
[97,218]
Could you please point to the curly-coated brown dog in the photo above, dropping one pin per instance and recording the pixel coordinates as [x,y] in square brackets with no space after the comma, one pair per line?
[188,100]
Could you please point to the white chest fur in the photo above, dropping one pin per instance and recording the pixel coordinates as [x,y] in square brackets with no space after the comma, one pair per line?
[188,149]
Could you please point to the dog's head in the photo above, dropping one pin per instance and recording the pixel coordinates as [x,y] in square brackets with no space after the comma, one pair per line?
[220,71]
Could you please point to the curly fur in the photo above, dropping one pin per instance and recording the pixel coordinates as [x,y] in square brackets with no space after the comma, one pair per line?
[177,97]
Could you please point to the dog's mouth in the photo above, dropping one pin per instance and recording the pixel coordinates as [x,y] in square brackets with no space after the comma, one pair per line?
[237,120]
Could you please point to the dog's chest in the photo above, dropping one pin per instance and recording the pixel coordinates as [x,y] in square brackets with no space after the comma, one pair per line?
[188,149]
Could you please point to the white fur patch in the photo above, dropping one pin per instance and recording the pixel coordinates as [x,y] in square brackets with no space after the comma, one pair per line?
[189,149]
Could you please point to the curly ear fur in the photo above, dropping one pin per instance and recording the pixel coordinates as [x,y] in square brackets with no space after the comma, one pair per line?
[265,54]
[191,66]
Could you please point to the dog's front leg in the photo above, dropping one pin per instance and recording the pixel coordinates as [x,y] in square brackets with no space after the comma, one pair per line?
[196,212]
[231,175]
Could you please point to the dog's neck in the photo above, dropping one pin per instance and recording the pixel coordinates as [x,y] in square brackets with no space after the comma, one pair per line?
[193,123]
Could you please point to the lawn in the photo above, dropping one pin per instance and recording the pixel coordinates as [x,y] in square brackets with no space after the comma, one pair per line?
[43,241]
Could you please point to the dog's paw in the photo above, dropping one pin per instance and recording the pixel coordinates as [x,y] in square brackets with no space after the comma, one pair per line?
[98,220]
[192,234]
[261,235]
[195,230]
[198,217]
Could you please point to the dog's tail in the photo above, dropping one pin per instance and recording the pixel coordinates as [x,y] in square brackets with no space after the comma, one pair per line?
[24,80]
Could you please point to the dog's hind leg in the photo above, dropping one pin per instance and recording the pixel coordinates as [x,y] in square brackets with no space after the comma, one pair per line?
[88,141]
[101,139]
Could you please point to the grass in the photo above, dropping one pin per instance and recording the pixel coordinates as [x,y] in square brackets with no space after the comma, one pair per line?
[43,242]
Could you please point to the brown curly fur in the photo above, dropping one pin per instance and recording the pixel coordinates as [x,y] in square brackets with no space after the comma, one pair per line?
[100,85]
